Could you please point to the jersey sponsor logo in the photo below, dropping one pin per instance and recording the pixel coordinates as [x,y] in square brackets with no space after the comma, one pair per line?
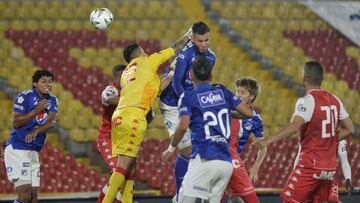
[183,109]
[168,124]
[20,100]
[24,172]
[218,139]
[26,164]
[41,118]
[18,107]
[199,188]
[325,175]
[213,98]
[301,107]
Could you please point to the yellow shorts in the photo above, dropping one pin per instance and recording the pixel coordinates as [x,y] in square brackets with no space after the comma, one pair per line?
[128,129]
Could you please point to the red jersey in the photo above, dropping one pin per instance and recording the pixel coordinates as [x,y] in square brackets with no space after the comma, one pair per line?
[234,136]
[321,112]
[107,109]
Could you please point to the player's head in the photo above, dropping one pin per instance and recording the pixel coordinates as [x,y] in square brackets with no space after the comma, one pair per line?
[313,73]
[201,36]
[42,81]
[201,69]
[247,89]
[132,51]
[117,72]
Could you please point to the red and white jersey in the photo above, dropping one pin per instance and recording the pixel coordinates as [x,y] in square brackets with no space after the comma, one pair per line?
[107,109]
[321,112]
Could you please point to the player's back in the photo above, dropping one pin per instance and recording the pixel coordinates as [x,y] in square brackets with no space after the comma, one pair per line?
[318,136]
[210,108]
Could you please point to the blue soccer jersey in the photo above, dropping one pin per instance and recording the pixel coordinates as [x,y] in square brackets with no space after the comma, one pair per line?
[242,129]
[209,107]
[25,102]
[181,80]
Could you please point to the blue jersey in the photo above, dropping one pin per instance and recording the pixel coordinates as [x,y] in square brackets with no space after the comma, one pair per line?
[25,102]
[242,129]
[181,80]
[209,108]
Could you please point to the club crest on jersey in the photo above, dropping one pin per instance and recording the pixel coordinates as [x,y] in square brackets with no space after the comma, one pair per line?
[213,98]
[41,118]
[301,107]
[248,126]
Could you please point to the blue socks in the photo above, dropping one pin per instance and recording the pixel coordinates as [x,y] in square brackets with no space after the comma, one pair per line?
[180,169]
[17,201]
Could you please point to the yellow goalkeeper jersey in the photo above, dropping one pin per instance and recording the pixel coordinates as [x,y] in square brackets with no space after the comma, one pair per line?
[140,82]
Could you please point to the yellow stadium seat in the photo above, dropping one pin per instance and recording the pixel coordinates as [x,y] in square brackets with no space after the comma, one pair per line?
[4,25]
[91,134]
[32,25]
[61,25]
[77,135]
[46,25]
[90,53]
[52,13]
[95,121]
[75,25]
[17,25]
[75,53]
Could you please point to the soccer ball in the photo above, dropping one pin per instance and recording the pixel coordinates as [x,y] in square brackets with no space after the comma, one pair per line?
[101,18]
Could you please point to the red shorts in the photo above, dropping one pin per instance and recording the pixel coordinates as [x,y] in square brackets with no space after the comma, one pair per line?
[306,183]
[332,194]
[104,147]
[239,184]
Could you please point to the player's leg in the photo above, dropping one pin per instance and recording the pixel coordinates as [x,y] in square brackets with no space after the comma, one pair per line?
[327,191]
[127,136]
[17,164]
[34,194]
[240,184]
[35,176]
[300,185]
[222,171]
[127,190]
[171,119]
[197,181]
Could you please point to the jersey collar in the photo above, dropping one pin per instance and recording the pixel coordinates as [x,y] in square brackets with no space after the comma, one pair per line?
[204,85]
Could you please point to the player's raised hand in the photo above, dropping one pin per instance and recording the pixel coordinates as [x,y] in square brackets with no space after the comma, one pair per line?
[189,33]
[254,172]
[42,104]
[31,136]
[348,186]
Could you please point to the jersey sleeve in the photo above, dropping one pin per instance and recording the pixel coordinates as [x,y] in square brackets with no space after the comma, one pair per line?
[258,127]
[20,104]
[158,58]
[230,98]
[343,113]
[180,71]
[54,105]
[345,166]
[184,106]
[305,107]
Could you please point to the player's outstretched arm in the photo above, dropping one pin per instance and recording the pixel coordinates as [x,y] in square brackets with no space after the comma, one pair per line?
[180,43]
[254,170]
[287,131]
[345,166]
[176,137]
[20,119]
[346,128]
[166,82]
[52,118]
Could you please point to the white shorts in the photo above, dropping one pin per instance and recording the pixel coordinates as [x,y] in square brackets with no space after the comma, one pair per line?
[171,120]
[206,179]
[22,166]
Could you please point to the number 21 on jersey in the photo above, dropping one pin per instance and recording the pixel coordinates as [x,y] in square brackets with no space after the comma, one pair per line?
[330,121]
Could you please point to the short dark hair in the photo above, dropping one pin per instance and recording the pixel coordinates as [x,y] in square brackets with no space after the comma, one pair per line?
[313,72]
[200,28]
[128,52]
[41,73]
[118,68]
[201,68]
[250,84]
